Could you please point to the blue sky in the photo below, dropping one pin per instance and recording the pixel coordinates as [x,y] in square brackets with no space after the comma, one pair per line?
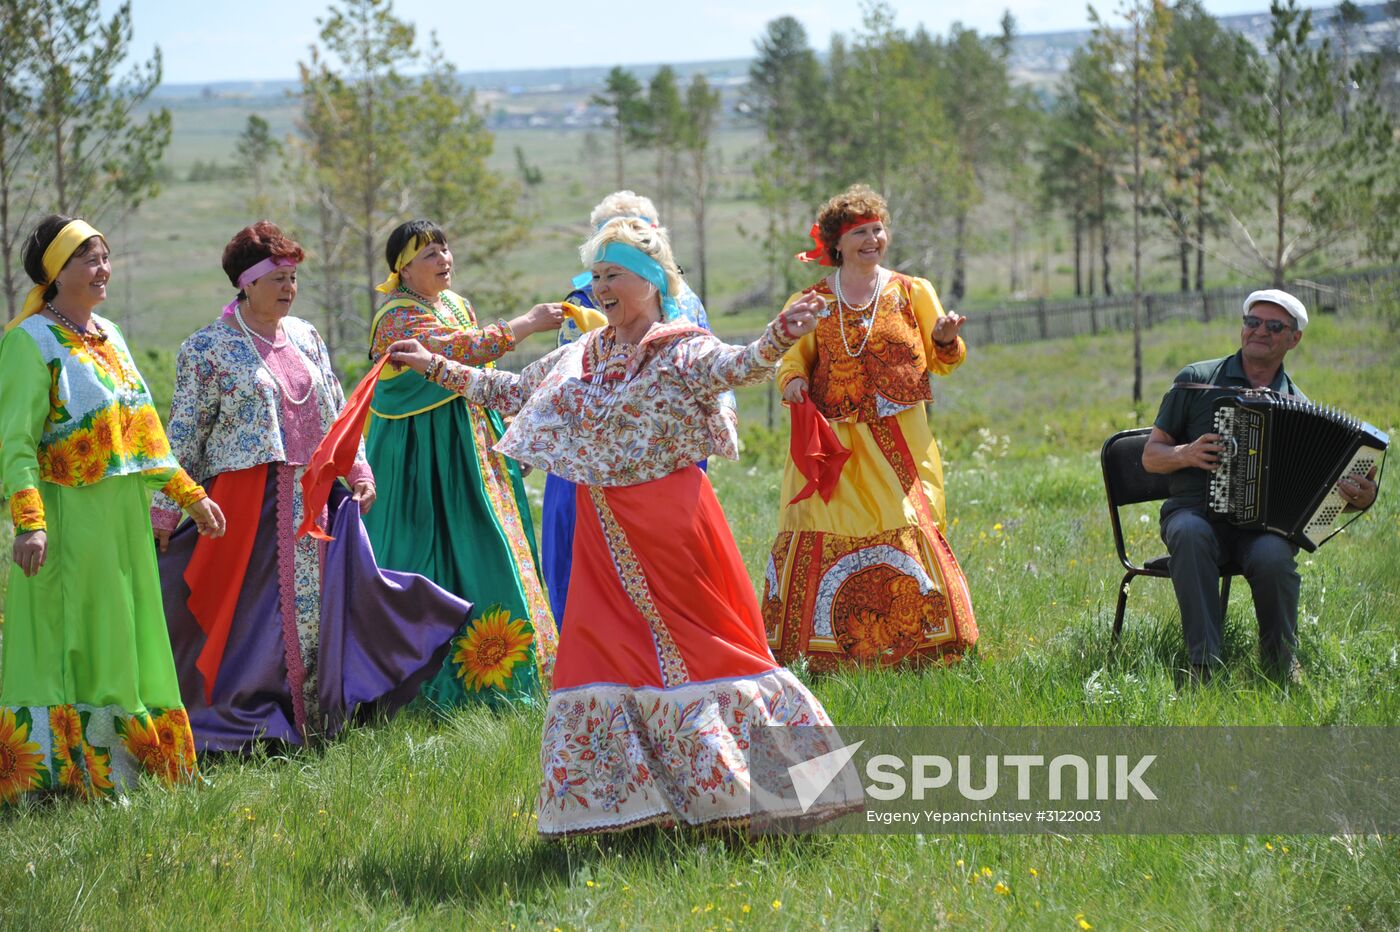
[219,40]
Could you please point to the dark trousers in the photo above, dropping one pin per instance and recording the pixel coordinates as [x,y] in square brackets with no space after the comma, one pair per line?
[1199,546]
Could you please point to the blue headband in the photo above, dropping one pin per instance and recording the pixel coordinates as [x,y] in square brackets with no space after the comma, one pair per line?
[634,260]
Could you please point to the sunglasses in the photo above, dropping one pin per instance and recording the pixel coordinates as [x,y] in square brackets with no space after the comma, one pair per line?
[1274,327]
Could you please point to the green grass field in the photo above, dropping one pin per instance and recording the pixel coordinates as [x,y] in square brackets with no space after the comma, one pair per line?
[425,823]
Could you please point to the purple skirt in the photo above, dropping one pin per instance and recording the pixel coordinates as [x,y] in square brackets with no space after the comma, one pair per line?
[379,635]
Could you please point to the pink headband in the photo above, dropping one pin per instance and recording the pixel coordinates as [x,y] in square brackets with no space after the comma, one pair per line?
[252,274]
[262,268]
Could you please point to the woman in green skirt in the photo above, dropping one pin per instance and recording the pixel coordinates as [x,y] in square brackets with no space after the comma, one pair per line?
[449,508]
[89,699]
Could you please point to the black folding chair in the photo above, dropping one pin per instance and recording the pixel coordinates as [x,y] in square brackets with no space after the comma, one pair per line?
[1127,483]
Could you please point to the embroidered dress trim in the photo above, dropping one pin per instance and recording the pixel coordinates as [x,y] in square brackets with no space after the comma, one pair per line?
[616,757]
[287,591]
[629,571]
[89,751]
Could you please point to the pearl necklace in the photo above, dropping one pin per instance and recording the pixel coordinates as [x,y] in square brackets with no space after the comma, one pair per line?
[129,377]
[94,336]
[281,389]
[271,344]
[873,306]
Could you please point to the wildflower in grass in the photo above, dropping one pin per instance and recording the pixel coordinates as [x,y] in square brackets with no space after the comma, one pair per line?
[745,908]
[1083,923]
[986,871]
[1001,889]
[1034,872]
[997,527]
[777,904]
[1268,846]
[961,863]
[589,883]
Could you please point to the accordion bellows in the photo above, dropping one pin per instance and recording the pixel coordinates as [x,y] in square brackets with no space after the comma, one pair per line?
[1282,460]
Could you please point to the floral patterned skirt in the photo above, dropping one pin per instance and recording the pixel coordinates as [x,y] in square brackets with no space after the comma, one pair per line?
[868,577]
[90,700]
[662,672]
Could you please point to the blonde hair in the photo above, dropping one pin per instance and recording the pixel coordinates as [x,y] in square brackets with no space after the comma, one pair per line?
[639,235]
[623,204]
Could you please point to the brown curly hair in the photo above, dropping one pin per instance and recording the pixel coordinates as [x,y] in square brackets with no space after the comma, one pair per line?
[253,244]
[857,201]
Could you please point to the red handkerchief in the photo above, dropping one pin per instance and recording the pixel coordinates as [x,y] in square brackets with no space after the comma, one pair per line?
[336,453]
[816,451]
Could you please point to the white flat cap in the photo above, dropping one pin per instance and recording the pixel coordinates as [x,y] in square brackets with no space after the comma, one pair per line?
[1284,300]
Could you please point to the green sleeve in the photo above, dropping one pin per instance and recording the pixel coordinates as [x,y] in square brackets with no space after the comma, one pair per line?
[1173,417]
[24,405]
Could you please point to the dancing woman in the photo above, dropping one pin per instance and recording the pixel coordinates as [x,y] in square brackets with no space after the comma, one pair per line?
[450,508]
[867,576]
[662,673]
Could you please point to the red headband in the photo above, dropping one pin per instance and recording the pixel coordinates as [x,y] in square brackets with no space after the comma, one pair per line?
[819,253]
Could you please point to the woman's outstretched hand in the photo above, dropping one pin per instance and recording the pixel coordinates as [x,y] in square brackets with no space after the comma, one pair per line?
[409,353]
[539,319]
[947,328]
[800,317]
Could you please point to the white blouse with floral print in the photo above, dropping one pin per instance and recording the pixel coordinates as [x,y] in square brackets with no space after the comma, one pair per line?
[604,413]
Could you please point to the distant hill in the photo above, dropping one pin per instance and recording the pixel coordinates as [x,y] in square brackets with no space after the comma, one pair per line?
[559,96]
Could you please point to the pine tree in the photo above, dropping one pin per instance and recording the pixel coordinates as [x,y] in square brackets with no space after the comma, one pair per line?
[1312,175]
[622,96]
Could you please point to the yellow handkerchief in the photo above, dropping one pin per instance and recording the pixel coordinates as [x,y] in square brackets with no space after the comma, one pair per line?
[585,317]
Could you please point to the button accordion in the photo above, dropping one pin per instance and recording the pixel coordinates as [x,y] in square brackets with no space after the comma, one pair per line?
[1281,462]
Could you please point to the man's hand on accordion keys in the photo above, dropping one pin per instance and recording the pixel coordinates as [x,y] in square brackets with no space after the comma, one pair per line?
[1203,452]
[1359,492]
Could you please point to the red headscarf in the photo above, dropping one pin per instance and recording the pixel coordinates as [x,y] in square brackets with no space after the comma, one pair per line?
[819,253]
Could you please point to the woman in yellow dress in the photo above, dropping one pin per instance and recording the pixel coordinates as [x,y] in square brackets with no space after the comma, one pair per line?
[866,575]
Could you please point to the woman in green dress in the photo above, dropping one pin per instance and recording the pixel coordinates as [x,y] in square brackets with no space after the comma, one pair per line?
[449,508]
[89,699]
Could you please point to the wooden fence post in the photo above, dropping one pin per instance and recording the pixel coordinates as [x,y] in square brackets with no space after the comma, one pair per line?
[1147,313]
[1093,315]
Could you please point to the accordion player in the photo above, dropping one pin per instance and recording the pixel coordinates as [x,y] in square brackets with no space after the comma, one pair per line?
[1281,460]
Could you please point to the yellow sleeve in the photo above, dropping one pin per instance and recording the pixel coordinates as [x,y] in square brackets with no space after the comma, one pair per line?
[798,361]
[927,310]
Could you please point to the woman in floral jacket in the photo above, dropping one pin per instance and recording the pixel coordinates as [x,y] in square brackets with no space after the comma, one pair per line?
[662,670]
[90,698]
[278,638]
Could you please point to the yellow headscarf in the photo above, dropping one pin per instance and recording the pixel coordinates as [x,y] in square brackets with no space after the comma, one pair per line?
[409,252]
[56,256]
